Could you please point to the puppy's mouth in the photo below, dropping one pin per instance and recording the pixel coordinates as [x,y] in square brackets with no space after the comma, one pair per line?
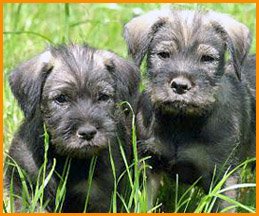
[178,107]
[81,147]
[184,107]
[193,103]
[87,148]
[95,143]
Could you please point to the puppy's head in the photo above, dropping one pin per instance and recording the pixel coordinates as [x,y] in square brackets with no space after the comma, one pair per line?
[75,89]
[186,55]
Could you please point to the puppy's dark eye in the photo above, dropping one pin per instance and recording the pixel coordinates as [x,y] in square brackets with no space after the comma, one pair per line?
[103,97]
[60,99]
[207,58]
[164,55]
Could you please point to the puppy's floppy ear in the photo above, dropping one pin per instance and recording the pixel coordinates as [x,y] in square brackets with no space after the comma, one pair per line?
[139,32]
[126,76]
[27,80]
[238,38]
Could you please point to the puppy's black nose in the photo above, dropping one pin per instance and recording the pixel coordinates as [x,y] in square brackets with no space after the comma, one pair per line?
[181,85]
[86,132]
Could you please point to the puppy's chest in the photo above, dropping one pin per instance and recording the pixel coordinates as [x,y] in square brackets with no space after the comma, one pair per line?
[80,184]
[187,132]
[82,187]
[173,135]
[78,179]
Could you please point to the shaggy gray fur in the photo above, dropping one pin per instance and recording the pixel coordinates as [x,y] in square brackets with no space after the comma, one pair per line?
[198,111]
[74,90]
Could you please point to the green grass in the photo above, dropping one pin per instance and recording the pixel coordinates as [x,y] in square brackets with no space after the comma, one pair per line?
[29,28]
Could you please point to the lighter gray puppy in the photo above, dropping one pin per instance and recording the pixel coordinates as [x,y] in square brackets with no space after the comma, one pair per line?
[198,111]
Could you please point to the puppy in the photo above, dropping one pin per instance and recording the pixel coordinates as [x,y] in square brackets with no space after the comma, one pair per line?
[198,111]
[74,91]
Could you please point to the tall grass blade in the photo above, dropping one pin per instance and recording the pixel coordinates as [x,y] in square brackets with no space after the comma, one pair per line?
[114,199]
[89,180]
[61,191]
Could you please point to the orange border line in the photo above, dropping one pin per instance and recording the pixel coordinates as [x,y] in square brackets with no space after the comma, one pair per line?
[114,1]
[128,1]
[1,107]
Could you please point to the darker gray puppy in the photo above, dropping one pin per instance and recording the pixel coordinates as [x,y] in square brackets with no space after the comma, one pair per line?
[198,112]
[74,91]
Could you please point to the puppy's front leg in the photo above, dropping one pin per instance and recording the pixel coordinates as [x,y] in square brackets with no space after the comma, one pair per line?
[153,185]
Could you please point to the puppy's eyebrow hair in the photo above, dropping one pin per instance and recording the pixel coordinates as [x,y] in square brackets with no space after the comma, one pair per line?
[105,86]
[61,86]
[205,48]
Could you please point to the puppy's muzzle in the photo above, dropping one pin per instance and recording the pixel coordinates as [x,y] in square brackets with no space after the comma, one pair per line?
[86,132]
[181,85]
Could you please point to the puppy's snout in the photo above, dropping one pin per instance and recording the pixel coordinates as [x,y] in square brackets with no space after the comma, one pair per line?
[86,132]
[181,85]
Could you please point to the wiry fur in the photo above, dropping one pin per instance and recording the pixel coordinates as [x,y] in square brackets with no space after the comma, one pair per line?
[211,121]
[72,89]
